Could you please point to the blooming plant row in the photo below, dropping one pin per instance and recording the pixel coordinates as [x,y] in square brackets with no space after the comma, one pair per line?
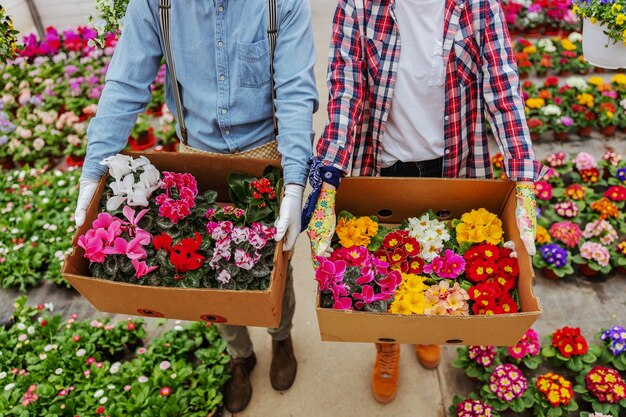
[510,380]
[36,225]
[580,215]
[426,266]
[610,14]
[50,91]
[578,106]
[532,17]
[159,229]
[51,366]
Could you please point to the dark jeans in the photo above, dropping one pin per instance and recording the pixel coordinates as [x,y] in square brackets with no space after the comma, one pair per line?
[432,169]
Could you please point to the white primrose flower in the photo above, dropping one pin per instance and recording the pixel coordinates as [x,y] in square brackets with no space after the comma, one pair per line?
[115,368]
[99,393]
[103,400]
[178,328]
[81,352]
[3,375]
[21,326]
[9,387]
[110,386]
[30,330]
[142,379]
[578,83]
[43,356]
[575,37]
[551,110]
[22,337]
[58,371]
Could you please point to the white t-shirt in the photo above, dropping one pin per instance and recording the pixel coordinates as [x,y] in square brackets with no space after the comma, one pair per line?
[415,128]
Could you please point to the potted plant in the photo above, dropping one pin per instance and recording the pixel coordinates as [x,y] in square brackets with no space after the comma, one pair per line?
[142,135]
[561,127]
[553,261]
[532,20]
[527,352]
[472,406]
[604,389]
[603,32]
[554,396]
[477,361]
[507,389]
[167,130]
[613,347]
[534,116]
[584,114]
[568,347]
[593,259]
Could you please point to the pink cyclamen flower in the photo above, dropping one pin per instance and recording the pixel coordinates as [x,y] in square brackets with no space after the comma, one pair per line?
[243,260]
[223,277]
[142,268]
[329,273]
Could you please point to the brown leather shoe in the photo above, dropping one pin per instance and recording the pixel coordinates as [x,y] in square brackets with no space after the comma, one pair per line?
[428,356]
[385,375]
[284,365]
[238,390]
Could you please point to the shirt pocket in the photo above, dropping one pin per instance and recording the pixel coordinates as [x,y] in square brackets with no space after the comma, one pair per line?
[372,57]
[254,63]
[467,55]
[436,78]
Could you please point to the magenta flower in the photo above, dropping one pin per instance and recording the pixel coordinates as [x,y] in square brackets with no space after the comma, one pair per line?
[133,249]
[354,256]
[448,266]
[367,296]
[142,268]
[329,273]
[390,282]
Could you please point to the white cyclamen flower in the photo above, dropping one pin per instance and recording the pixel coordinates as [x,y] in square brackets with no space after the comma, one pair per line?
[119,165]
[575,37]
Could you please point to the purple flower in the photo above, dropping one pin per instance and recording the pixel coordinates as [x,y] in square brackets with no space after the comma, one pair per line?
[621,174]
[554,255]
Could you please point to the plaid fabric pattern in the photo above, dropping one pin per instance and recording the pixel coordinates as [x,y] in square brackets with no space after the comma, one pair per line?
[481,80]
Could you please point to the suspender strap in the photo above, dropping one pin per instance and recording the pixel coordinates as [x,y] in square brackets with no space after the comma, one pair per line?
[164,20]
[272,33]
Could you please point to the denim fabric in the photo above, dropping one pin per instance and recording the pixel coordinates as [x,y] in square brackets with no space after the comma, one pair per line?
[221,53]
[432,169]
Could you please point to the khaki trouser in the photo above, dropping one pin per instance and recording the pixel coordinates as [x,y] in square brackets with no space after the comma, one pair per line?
[238,338]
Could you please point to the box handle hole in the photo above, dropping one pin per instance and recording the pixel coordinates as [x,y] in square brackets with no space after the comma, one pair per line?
[444,214]
[213,318]
[386,340]
[385,213]
[150,313]
[454,341]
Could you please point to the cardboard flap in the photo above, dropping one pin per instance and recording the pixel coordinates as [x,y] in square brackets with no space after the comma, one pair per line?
[395,199]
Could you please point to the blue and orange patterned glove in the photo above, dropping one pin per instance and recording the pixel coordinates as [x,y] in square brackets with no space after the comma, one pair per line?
[322,225]
[526,214]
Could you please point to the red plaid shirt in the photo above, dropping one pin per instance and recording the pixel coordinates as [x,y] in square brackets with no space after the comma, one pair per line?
[481,78]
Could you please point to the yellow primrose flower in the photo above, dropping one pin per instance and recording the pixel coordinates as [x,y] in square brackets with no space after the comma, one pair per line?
[535,103]
[585,99]
[575,9]
[401,307]
[609,114]
[619,78]
[620,19]
[530,49]
[616,8]
[597,81]
[356,231]
[568,45]
[593,20]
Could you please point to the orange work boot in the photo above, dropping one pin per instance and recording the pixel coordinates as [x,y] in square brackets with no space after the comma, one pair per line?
[428,356]
[385,375]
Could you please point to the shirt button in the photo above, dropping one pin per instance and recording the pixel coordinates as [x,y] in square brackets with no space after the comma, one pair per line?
[220,44]
[222,77]
[446,118]
[447,152]
[227,132]
[220,9]
[224,111]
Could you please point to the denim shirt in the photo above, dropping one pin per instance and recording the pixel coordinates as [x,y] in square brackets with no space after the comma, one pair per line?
[221,53]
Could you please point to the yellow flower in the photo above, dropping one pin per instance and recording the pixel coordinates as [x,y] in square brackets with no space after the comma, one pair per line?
[620,19]
[619,78]
[535,103]
[593,20]
[530,49]
[585,99]
[575,9]
[401,307]
[568,45]
[609,114]
[356,231]
[597,81]
[479,226]
[542,235]
[616,8]
[417,300]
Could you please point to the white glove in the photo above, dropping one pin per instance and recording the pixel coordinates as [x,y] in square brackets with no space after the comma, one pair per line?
[290,216]
[85,194]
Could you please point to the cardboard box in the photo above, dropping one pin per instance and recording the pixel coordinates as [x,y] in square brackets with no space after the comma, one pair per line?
[396,199]
[250,308]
